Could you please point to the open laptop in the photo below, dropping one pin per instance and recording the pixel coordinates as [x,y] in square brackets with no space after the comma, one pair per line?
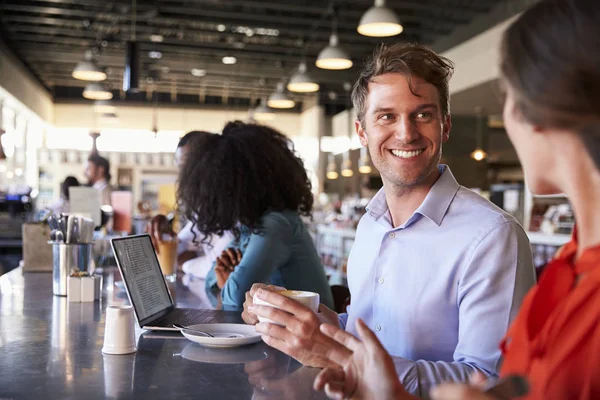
[147,289]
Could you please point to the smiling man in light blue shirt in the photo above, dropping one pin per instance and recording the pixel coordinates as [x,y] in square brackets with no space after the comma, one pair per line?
[436,271]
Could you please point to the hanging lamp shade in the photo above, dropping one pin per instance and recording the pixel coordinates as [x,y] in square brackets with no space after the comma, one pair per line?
[104,107]
[302,82]
[279,99]
[97,91]
[347,166]
[333,56]
[379,21]
[131,75]
[88,70]
[331,168]
[364,164]
[263,113]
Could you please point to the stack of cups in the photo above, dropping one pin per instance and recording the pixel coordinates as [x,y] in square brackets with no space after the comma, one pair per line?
[119,332]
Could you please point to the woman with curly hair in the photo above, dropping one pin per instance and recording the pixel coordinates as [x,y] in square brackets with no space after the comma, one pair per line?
[249,181]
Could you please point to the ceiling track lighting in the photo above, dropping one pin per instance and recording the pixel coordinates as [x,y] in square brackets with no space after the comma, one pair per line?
[379,21]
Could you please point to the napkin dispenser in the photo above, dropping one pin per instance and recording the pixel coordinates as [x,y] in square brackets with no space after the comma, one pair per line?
[37,253]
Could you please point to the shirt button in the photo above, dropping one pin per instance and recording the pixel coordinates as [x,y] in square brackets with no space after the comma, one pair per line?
[378,327]
[392,235]
[381,280]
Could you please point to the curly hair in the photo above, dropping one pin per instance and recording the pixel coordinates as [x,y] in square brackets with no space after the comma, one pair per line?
[237,177]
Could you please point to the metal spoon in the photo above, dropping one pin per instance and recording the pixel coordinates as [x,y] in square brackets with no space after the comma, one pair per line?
[185,328]
[194,331]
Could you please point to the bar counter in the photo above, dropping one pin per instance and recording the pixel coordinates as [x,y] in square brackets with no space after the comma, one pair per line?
[51,349]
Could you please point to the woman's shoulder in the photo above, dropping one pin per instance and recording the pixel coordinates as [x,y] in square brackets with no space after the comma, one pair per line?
[286,220]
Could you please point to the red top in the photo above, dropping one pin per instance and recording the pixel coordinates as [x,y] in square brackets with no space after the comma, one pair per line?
[555,339]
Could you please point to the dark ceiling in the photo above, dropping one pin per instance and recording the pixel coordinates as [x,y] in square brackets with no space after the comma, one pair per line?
[268,37]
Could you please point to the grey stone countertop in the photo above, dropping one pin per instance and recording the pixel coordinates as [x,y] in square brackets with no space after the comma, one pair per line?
[51,349]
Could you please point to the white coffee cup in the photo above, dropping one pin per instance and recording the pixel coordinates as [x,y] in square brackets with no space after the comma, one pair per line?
[308,299]
[119,332]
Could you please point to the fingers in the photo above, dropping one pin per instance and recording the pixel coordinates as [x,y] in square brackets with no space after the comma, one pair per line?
[328,375]
[285,304]
[233,256]
[226,260]
[255,288]
[248,317]
[335,390]
[342,337]
[451,391]
[478,379]
[327,315]
[281,317]
[239,255]
[339,353]
[367,336]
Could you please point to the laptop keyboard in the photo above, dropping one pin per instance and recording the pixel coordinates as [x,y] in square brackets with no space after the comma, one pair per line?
[185,316]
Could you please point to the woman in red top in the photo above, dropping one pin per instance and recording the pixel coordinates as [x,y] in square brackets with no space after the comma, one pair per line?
[551,72]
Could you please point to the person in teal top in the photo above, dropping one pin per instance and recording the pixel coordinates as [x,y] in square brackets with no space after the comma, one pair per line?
[249,181]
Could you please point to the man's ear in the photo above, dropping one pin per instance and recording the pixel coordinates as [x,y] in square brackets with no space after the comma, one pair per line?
[361,132]
[446,127]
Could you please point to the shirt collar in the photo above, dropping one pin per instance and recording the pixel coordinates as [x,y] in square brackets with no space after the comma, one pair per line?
[434,206]
[440,196]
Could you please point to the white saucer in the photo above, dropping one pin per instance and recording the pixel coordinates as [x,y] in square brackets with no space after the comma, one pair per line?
[243,335]
[244,355]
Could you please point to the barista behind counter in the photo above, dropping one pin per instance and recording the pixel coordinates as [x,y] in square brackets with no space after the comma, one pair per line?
[97,171]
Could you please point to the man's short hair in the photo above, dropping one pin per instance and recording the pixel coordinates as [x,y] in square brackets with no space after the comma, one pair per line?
[100,161]
[409,60]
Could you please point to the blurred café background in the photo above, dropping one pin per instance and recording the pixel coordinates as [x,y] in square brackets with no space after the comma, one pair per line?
[127,79]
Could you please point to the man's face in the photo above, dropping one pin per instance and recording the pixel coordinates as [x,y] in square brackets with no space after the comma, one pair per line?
[92,172]
[404,132]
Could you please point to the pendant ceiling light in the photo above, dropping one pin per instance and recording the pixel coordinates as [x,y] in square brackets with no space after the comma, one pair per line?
[88,70]
[302,82]
[364,164]
[347,165]
[263,113]
[97,91]
[104,107]
[333,56]
[279,99]
[331,167]
[379,21]
[131,75]
[479,154]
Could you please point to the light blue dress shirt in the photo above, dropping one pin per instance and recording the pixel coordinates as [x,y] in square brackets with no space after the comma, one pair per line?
[283,255]
[441,290]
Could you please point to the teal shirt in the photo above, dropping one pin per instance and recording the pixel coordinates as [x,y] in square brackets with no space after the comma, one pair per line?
[283,255]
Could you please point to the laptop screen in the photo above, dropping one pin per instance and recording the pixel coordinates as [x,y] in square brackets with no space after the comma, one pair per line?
[141,272]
